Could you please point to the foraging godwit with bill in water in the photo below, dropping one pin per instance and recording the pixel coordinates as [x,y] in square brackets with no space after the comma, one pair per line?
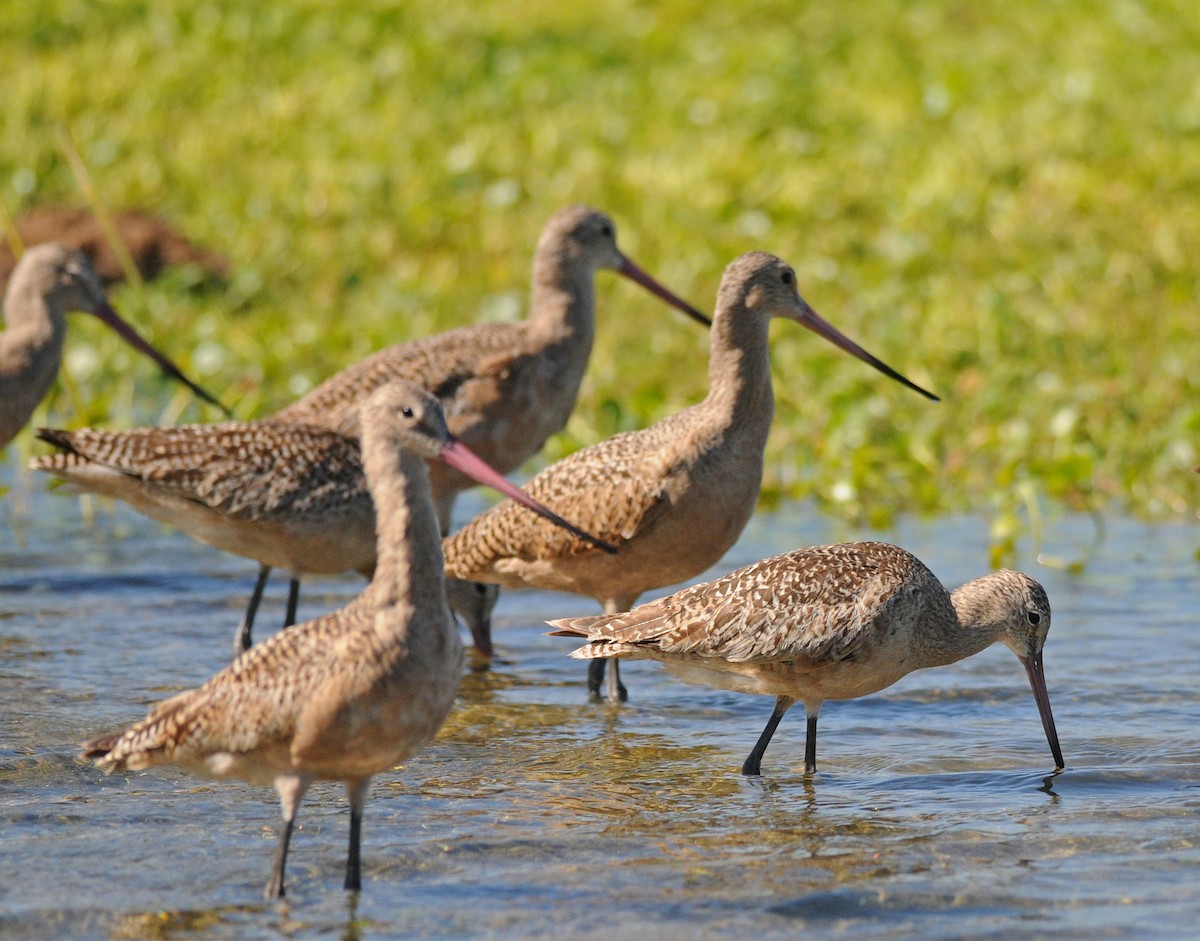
[351,694]
[49,282]
[504,387]
[672,497]
[830,622]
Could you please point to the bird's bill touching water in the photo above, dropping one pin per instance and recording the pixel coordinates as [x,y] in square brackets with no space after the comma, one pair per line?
[1037,680]
[638,276]
[821,327]
[105,313]
[463,460]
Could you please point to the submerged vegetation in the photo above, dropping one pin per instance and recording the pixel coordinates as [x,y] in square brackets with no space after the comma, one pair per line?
[1000,204]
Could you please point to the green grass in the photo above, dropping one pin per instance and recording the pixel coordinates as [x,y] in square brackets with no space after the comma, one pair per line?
[999,200]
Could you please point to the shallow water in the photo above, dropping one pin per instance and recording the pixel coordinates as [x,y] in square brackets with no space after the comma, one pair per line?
[536,814]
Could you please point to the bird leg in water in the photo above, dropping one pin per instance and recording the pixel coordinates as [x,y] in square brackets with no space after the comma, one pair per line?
[753,761]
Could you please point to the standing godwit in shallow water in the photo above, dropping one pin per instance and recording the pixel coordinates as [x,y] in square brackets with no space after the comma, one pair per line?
[673,497]
[293,496]
[351,694]
[504,387]
[831,622]
[49,282]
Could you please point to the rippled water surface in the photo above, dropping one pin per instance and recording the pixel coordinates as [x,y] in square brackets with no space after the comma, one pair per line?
[536,814]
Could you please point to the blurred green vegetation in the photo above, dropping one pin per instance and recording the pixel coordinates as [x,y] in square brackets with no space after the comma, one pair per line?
[998,199]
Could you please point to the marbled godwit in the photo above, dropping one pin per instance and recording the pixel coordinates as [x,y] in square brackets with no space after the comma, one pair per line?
[292,496]
[353,693]
[675,496]
[831,622]
[48,282]
[505,388]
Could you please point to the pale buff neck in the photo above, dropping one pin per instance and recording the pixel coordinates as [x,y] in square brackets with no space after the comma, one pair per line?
[739,373]
[30,354]
[563,299]
[409,563]
[965,623]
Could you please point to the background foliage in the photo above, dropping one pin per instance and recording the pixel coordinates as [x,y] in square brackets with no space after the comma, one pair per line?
[997,199]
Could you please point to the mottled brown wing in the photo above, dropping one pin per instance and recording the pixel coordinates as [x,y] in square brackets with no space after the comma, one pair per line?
[442,364]
[615,490]
[248,470]
[811,603]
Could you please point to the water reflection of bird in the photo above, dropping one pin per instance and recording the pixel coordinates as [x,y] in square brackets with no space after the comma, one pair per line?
[347,695]
[832,622]
[48,282]
[673,497]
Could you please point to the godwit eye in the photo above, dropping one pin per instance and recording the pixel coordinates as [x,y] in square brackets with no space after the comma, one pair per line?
[788,278]
[1034,618]
[607,231]
[406,411]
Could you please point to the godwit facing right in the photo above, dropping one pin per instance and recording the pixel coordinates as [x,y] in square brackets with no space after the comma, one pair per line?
[47,283]
[831,622]
[351,694]
[673,497]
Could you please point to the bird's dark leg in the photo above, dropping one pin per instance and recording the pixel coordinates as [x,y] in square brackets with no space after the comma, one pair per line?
[242,636]
[356,794]
[596,670]
[291,792]
[614,691]
[753,761]
[293,599]
[810,745]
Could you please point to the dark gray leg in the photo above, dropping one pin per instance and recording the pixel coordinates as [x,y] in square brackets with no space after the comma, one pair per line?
[810,746]
[242,636]
[753,761]
[356,794]
[291,792]
[614,690]
[293,599]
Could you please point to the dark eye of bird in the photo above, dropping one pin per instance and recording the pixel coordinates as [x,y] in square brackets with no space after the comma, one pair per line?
[606,230]
[406,411]
[1034,618]
[787,278]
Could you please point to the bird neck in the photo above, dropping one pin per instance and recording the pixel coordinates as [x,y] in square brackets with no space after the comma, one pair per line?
[409,563]
[969,623]
[30,353]
[739,373]
[563,299]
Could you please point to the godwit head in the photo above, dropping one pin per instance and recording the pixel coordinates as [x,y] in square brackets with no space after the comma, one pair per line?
[581,233]
[49,282]
[762,284]
[1014,609]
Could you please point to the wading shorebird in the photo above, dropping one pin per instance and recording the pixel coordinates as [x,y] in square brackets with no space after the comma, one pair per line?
[504,387]
[49,282]
[830,622]
[672,497]
[351,694]
[292,496]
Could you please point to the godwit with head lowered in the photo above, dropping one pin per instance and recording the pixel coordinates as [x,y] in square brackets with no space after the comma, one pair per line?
[505,388]
[831,622]
[48,282]
[353,693]
[673,497]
